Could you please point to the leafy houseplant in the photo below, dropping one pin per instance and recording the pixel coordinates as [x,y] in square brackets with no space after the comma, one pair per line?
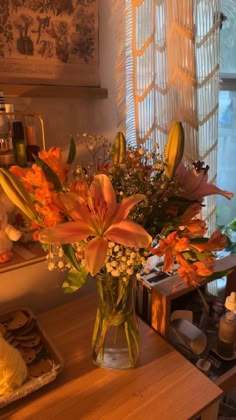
[107,217]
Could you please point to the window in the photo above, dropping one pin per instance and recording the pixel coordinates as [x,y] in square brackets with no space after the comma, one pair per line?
[226,168]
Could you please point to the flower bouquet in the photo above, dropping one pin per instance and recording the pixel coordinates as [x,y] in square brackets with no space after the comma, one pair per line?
[107,217]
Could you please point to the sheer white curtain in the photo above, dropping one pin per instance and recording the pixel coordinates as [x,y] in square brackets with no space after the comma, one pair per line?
[168,69]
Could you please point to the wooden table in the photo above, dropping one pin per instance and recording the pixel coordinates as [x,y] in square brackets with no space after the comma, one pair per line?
[164,385]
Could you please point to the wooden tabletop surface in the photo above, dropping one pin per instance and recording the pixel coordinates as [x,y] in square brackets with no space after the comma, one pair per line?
[163,386]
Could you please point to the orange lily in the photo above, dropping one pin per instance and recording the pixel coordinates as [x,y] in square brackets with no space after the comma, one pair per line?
[100,217]
[53,158]
[216,242]
[195,185]
[195,272]
[192,211]
[194,228]
[170,247]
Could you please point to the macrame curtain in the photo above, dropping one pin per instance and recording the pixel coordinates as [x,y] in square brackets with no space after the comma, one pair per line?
[168,69]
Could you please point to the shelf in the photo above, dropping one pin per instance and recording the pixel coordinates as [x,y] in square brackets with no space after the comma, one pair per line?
[160,296]
[21,90]
[24,255]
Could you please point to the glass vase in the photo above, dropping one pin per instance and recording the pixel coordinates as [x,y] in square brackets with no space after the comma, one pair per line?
[115,342]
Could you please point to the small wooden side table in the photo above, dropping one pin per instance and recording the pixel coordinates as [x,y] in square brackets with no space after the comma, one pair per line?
[163,386]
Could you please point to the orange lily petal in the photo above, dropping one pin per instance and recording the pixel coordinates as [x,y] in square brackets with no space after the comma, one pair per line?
[168,261]
[75,205]
[195,185]
[95,254]
[124,207]
[129,234]
[101,189]
[66,233]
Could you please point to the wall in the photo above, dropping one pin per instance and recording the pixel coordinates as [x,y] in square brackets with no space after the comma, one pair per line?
[35,286]
[66,116]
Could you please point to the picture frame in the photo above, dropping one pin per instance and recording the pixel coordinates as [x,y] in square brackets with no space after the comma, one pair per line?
[49,42]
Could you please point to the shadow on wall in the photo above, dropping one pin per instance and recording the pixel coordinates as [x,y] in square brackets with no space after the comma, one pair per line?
[37,288]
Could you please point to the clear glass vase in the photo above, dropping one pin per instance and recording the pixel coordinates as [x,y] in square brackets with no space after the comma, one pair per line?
[115,342]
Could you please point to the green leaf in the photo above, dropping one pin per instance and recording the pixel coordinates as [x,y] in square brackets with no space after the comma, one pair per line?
[189,255]
[219,274]
[199,240]
[233,249]
[51,176]
[203,255]
[75,280]
[17,193]
[70,255]
[72,151]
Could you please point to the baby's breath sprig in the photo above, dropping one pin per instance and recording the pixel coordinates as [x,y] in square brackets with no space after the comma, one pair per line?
[124,261]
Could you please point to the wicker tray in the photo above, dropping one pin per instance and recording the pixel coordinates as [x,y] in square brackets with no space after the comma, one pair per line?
[21,329]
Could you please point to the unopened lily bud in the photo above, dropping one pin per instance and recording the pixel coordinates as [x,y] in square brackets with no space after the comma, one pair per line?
[174,149]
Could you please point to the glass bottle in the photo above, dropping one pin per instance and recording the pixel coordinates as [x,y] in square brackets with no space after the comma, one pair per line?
[227,329]
[7,156]
[19,145]
[31,144]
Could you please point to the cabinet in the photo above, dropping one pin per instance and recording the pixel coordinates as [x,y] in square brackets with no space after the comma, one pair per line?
[155,304]
[160,299]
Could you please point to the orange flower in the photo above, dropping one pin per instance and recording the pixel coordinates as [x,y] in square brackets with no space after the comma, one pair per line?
[194,273]
[170,247]
[21,173]
[195,185]
[53,158]
[101,219]
[79,187]
[31,178]
[194,228]
[190,212]
[216,242]
[45,202]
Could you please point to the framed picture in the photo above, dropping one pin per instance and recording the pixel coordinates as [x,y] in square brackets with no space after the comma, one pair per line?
[49,42]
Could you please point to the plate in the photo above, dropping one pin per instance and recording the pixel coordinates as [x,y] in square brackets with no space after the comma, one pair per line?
[20,328]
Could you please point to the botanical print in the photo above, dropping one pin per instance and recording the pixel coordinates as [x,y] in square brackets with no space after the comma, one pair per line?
[49,32]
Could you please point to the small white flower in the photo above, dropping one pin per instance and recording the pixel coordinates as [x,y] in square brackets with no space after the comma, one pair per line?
[114,263]
[115,273]
[51,266]
[60,264]
[109,267]
[60,252]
